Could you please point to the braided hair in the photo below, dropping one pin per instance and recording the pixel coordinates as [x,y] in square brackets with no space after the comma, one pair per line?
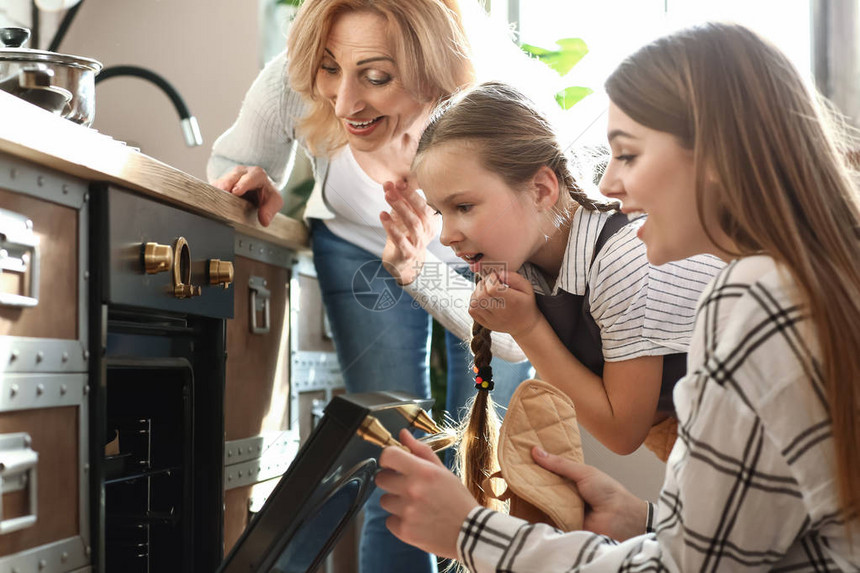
[512,139]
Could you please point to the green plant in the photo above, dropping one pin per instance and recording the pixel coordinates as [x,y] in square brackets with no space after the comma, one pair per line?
[570,51]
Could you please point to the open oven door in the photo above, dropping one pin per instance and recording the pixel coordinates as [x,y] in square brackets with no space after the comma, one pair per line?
[326,485]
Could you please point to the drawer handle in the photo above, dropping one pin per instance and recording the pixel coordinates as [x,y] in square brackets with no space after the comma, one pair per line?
[19,254]
[17,471]
[260,296]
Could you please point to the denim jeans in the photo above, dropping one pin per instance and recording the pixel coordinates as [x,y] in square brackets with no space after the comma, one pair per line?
[382,341]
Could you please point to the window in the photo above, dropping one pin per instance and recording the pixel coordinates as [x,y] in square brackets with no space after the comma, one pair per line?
[613,29]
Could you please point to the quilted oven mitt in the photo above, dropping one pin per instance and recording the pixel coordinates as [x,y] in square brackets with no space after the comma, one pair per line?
[540,415]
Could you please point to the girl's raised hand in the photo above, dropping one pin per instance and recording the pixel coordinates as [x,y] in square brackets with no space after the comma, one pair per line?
[409,228]
[253,184]
[504,302]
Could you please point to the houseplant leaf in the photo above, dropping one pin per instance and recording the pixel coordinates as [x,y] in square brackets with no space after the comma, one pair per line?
[570,51]
[567,97]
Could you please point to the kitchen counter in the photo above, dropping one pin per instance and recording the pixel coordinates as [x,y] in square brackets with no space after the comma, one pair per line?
[35,135]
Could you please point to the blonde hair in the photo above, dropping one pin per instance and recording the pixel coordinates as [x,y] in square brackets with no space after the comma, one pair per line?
[784,187]
[509,137]
[431,51]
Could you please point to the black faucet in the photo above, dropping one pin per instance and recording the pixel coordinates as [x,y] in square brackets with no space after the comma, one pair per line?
[190,128]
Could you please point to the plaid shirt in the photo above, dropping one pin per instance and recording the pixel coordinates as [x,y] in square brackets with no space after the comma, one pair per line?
[750,483]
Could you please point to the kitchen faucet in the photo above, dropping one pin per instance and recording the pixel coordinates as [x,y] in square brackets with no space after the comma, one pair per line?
[190,128]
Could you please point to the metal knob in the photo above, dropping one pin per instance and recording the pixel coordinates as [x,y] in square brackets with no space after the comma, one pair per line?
[157,258]
[186,291]
[220,272]
[14,37]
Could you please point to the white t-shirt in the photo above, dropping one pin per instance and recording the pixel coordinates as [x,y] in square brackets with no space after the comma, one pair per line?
[356,200]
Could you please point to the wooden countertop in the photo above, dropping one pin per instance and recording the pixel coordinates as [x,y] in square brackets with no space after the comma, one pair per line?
[33,134]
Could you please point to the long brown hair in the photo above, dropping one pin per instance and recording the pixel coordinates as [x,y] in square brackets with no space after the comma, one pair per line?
[513,139]
[784,187]
[431,51]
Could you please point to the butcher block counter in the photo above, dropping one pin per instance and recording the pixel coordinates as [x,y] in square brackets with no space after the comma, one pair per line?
[35,135]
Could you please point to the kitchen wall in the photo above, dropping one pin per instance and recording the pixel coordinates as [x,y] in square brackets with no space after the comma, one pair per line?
[208,49]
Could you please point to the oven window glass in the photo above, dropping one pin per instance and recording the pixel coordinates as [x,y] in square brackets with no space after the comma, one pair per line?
[324,522]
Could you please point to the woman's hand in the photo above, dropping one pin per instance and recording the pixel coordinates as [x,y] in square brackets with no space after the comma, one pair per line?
[253,184]
[428,504]
[610,509]
[505,302]
[409,228]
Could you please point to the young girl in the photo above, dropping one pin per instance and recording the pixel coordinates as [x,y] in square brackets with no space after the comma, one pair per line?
[715,136]
[564,275]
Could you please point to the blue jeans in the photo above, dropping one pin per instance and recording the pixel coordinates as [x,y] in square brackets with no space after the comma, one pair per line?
[382,341]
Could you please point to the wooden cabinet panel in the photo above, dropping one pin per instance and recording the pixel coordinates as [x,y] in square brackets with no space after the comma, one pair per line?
[56,315]
[55,437]
[258,365]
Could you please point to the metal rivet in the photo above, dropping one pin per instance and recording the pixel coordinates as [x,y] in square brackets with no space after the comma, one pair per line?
[86,390]
[64,557]
[86,354]
[40,356]
[63,390]
[42,563]
[229,478]
[65,357]
[240,473]
[13,356]
[239,450]
[86,197]
[86,275]
[65,189]
[241,243]
[40,389]
[13,173]
[13,390]
[29,225]
[40,180]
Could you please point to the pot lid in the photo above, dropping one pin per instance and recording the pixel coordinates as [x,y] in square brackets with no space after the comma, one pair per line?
[13,38]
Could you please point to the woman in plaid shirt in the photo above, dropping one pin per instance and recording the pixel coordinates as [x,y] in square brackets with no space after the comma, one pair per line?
[715,136]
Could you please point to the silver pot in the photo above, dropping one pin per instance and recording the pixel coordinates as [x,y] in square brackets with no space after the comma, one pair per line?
[60,83]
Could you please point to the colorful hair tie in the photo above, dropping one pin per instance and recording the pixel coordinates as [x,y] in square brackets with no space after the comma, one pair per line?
[483,378]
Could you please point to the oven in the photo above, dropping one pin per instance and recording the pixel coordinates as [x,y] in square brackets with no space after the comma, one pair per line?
[160,299]
[327,483]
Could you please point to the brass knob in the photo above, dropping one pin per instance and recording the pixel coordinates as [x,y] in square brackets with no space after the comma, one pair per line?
[157,258]
[220,272]
[186,291]
[374,432]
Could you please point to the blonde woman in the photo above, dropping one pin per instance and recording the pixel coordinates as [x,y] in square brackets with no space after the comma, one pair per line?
[353,90]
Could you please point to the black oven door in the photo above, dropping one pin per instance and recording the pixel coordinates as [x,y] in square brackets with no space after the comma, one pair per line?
[326,485]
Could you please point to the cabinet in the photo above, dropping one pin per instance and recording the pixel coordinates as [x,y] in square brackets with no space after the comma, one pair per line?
[44,394]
